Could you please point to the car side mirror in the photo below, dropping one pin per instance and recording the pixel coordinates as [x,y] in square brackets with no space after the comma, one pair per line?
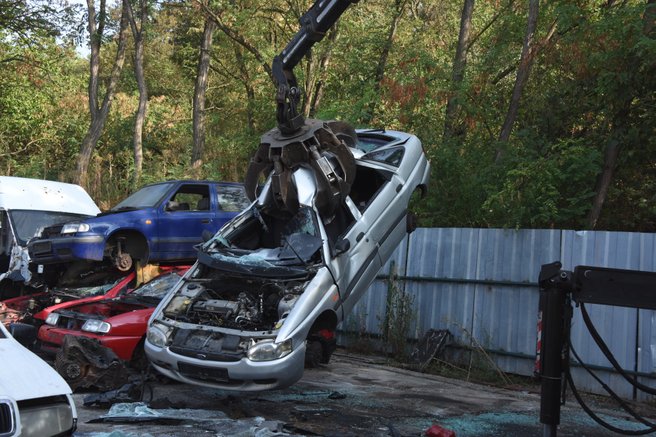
[342,246]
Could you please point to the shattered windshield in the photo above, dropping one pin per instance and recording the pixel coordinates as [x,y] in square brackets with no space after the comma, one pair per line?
[27,222]
[158,287]
[147,197]
[292,242]
[93,290]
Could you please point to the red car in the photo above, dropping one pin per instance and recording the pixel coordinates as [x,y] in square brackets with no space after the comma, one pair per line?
[35,308]
[117,322]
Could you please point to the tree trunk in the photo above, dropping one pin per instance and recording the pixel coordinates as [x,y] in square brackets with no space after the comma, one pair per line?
[458,74]
[612,150]
[525,62]
[140,116]
[199,94]
[245,78]
[399,6]
[317,92]
[236,37]
[603,181]
[99,113]
[649,19]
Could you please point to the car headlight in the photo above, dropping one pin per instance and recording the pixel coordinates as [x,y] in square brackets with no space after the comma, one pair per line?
[52,319]
[267,350]
[158,334]
[95,325]
[72,228]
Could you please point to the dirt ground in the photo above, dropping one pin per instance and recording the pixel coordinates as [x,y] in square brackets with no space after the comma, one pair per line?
[351,396]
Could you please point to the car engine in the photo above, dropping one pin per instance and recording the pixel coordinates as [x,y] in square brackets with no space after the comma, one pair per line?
[235,303]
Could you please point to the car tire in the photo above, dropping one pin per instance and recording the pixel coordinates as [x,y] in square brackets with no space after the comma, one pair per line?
[313,354]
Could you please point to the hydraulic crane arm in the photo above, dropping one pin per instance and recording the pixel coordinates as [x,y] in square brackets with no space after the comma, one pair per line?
[314,24]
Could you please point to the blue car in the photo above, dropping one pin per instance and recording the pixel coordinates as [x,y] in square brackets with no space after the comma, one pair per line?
[160,222]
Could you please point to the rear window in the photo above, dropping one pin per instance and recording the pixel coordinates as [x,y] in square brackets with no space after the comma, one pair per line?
[392,156]
[372,141]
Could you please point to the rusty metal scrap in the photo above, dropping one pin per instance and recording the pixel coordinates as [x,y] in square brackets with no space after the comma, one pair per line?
[85,363]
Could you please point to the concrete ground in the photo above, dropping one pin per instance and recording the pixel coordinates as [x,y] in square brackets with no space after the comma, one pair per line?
[351,396]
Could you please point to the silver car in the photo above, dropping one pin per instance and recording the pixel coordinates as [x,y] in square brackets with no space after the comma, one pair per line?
[268,290]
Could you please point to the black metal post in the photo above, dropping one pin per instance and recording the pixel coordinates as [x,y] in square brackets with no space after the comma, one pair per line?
[555,317]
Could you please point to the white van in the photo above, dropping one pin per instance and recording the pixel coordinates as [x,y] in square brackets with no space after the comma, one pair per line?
[34,399]
[26,206]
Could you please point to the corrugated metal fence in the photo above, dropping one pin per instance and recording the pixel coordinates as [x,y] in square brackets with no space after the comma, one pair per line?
[481,285]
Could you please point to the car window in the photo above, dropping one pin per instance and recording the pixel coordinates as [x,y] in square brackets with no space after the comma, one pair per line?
[392,156]
[147,197]
[232,198]
[158,287]
[190,197]
[371,142]
[368,183]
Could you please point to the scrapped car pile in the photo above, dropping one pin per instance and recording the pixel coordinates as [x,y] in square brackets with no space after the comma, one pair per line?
[265,294]
[276,265]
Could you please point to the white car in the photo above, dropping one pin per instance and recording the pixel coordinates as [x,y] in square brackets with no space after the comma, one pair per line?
[269,289]
[34,399]
[26,207]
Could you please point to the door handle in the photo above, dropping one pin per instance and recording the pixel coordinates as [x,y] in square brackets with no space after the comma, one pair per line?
[205,221]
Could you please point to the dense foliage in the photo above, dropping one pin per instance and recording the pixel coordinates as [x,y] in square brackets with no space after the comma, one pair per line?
[591,89]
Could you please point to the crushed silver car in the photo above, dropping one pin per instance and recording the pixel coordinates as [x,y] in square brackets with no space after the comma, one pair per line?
[269,289]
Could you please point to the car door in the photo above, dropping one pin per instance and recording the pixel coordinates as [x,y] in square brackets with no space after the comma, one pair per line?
[356,267]
[183,216]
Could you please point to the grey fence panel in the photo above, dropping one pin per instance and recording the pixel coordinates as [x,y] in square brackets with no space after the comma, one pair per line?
[442,306]
[516,255]
[481,285]
[647,346]
[505,316]
[443,253]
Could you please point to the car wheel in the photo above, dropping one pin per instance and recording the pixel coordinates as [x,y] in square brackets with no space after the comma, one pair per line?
[72,372]
[123,262]
[313,354]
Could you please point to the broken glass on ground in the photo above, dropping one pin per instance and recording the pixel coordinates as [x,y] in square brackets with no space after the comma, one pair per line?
[218,421]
